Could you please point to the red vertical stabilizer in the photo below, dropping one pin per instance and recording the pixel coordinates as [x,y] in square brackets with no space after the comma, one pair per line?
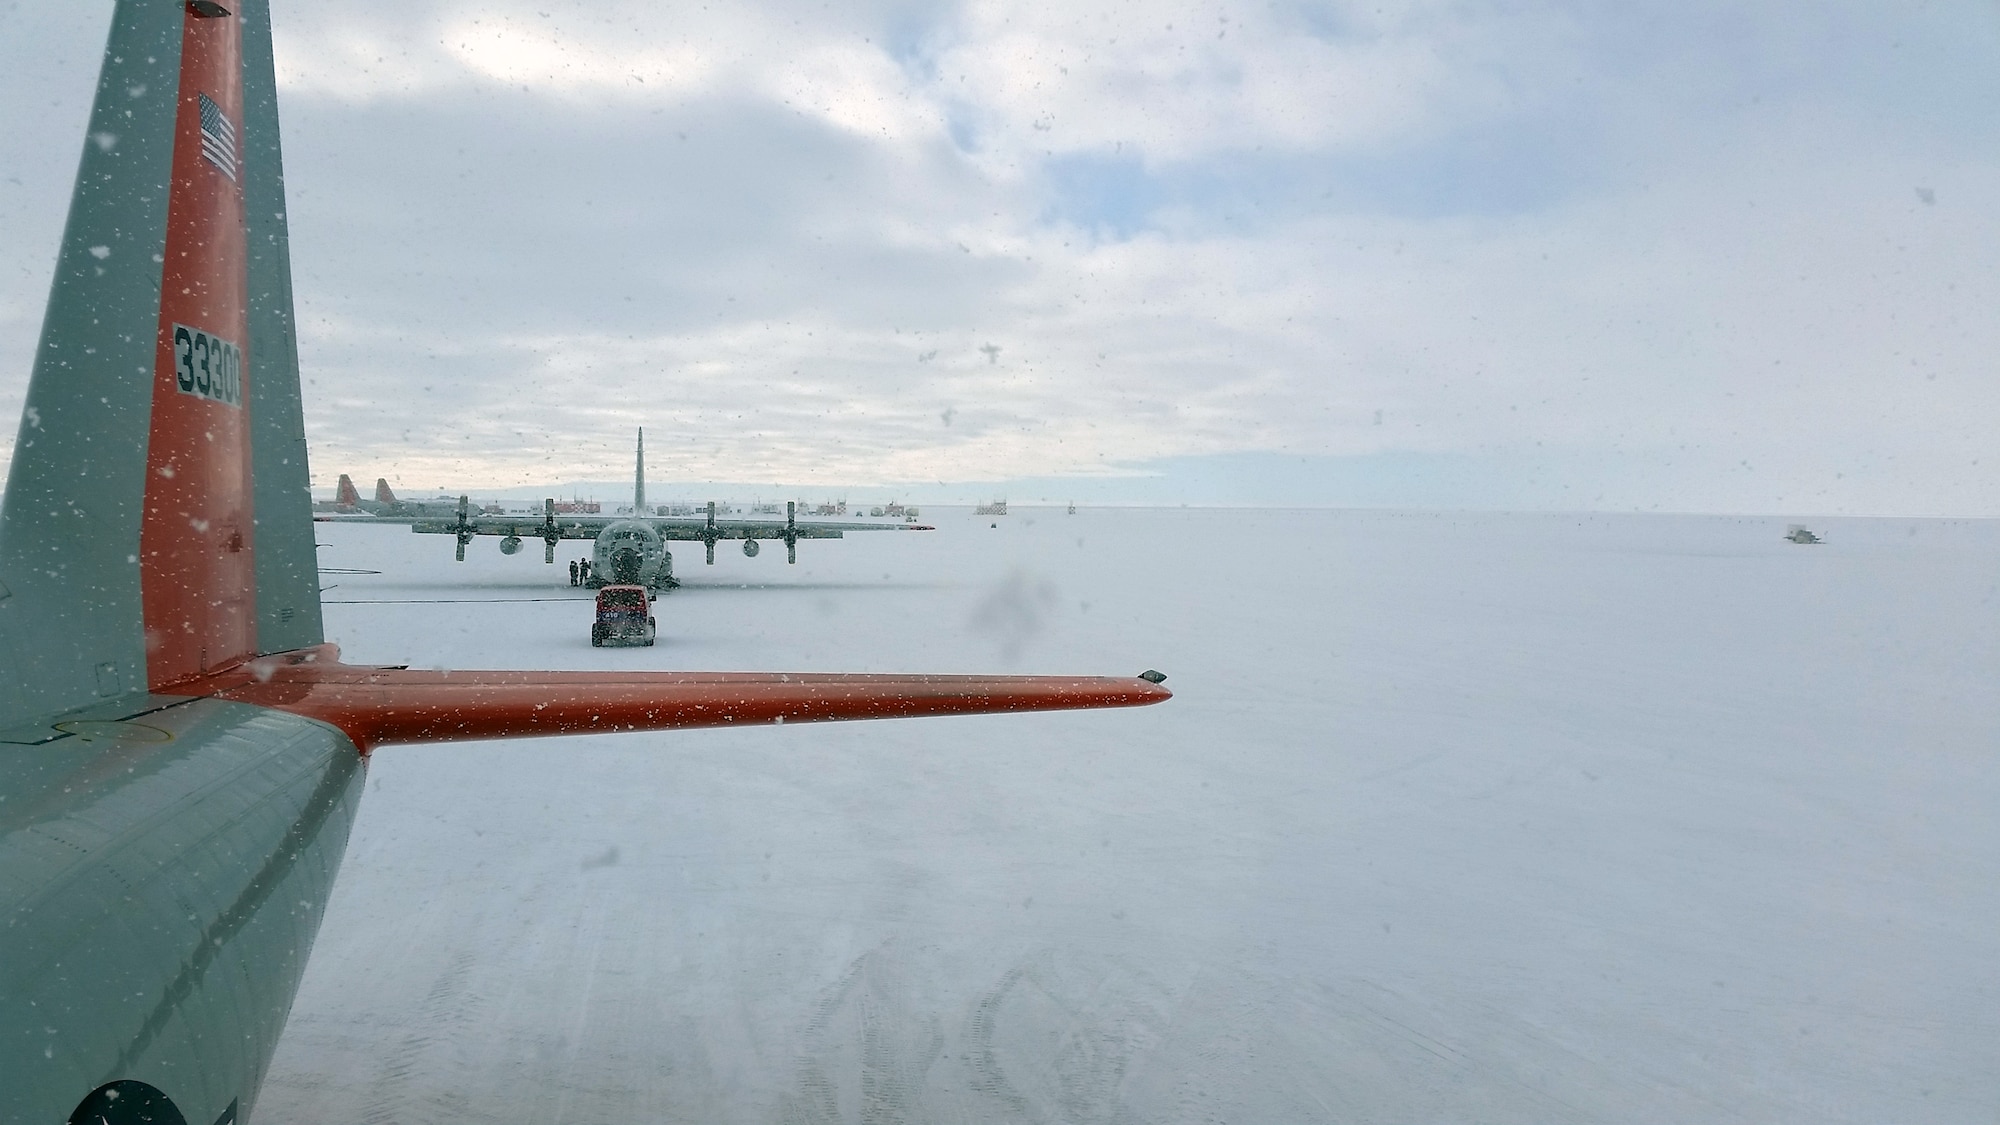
[197,574]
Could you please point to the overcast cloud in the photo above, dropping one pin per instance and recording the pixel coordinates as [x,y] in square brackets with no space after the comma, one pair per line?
[1634,255]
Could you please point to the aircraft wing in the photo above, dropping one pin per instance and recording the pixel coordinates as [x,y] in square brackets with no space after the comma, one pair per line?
[699,530]
[685,529]
[523,526]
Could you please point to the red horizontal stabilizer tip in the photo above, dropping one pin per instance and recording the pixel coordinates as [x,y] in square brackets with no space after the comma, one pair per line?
[378,706]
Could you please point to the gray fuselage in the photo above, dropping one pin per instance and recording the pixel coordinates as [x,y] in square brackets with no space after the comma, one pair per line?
[631,551]
[163,878]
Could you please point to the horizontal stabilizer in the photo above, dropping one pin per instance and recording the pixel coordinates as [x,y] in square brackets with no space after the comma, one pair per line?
[379,706]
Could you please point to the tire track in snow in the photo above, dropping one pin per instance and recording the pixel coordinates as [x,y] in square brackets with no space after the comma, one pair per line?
[816,1101]
[1054,1042]
[864,1038]
[446,1008]
[987,1076]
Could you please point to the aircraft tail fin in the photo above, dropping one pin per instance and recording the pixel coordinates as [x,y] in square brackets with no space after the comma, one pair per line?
[639,478]
[383,493]
[157,519]
[347,496]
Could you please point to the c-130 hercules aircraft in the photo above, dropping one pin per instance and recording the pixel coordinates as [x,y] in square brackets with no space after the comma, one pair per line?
[181,753]
[632,550]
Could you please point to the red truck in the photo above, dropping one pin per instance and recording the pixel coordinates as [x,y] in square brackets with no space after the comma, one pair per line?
[624,617]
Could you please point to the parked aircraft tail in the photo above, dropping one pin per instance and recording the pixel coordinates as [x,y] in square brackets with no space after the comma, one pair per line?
[383,493]
[639,478]
[347,496]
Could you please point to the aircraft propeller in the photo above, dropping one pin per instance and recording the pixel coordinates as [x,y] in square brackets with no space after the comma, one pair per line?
[791,531]
[550,536]
[708,536]
[463,528]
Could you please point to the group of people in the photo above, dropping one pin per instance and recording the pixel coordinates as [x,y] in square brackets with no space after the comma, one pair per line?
[579,571]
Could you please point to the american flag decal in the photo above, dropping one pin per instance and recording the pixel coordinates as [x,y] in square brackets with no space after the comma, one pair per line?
[218,137]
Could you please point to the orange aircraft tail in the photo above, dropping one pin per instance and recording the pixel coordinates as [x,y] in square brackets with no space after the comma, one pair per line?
[157,518]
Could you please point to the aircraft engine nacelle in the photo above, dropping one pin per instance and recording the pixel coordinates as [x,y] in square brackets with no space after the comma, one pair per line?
[750,548]
[510,545]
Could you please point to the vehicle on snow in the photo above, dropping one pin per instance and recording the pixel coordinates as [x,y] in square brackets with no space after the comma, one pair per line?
[624,617]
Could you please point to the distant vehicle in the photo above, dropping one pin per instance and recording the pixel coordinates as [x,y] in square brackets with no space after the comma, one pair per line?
[631,549]
[996,508]
[1797,533]
[624,617]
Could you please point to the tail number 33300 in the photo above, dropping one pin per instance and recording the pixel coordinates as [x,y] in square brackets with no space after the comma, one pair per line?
[207,366]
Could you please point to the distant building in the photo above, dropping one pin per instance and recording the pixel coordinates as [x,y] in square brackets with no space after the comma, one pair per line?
[996,508]
[683,508]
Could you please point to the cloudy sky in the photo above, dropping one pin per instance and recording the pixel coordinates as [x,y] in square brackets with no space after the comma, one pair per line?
[1632,255]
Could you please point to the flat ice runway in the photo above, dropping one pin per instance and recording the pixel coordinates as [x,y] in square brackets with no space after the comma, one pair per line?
[1454,818]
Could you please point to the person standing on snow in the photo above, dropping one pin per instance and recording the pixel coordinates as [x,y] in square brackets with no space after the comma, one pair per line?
[572,572]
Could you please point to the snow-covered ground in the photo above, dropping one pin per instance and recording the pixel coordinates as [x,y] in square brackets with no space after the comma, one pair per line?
[1454,818]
